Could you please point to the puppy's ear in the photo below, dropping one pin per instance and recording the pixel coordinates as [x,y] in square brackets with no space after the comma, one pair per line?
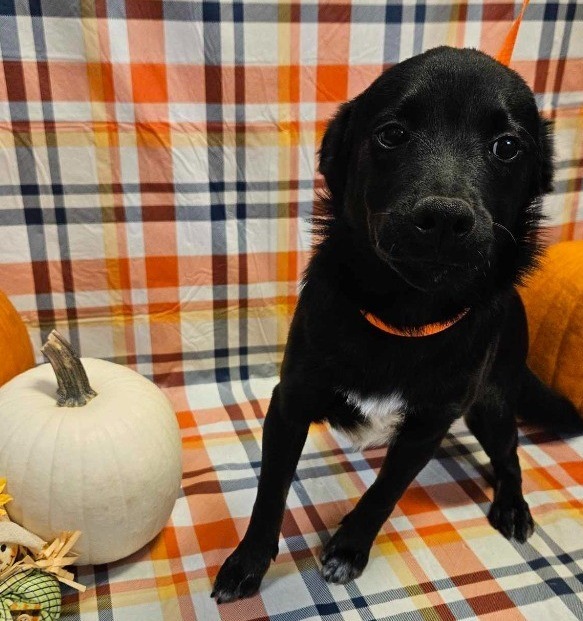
[335,152]
[545,148]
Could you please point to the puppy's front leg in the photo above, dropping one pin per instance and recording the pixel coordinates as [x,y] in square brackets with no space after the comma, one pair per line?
[346,554]
[492,421]
[283,441]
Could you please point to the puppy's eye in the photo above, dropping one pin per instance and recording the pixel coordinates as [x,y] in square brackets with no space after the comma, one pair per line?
[391,136]
[506,148]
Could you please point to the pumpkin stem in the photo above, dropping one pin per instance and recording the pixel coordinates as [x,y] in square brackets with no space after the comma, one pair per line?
[74,389]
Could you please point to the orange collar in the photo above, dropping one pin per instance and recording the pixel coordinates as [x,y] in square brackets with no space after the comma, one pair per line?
[426,330]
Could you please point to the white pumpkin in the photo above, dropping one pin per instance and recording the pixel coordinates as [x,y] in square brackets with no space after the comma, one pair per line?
[110,466]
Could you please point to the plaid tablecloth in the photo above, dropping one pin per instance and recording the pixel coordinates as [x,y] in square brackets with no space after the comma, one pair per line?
[156,162]
[437,557]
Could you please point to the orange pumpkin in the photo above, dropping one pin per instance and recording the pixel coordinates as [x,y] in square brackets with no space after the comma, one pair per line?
[553,297]
[15,344]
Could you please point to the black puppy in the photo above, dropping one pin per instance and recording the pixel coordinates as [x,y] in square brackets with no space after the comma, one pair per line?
[408,318]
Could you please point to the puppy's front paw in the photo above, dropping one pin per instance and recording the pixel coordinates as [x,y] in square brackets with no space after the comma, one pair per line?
[512,519]
[342,560]
[240,576]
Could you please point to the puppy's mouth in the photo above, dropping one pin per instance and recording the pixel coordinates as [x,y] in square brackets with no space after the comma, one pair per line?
[426,275]
[430,274]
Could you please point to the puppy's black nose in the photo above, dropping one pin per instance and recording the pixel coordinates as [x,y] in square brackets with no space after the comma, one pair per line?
[438,218]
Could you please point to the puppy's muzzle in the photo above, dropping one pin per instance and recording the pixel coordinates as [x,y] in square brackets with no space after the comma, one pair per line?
[440,221]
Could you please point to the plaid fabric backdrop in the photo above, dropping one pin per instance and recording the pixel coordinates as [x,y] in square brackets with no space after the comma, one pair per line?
[156,162]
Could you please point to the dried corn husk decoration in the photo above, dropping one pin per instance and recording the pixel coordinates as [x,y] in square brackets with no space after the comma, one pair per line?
[34,578]
[55,557]
[51,559]
[31,569]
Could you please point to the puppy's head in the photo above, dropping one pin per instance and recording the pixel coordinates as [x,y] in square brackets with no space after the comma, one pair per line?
[438,167]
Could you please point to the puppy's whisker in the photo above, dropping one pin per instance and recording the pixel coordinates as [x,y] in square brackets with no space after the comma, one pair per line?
[501,226]
[388,255]
[373,234]
[380,252]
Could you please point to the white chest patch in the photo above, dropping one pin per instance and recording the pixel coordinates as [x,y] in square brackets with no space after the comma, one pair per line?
[383,414]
